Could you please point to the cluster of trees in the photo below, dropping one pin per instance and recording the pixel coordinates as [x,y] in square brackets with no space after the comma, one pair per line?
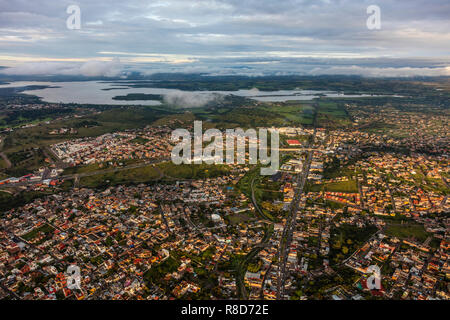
[346,238]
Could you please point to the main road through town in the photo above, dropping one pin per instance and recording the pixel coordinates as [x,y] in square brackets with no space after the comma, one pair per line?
[289,227]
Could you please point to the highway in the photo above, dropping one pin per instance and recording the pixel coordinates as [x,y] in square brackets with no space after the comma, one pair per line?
[263,217]
[242,266]
[288,230]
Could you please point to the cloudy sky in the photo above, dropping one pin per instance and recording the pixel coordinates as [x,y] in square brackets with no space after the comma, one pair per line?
[253,37]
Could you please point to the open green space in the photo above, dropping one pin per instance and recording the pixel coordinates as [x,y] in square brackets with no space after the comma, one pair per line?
[9,201]
[294,113]
[407,231]
[139,140]
[129,176]
[340,186]
[33,233]
[192,171]
[156,273]
[346,239]
[84,169]
[332,115]
[265,192]
[150,173]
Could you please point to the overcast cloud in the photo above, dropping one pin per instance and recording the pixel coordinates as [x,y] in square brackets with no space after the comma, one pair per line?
[252,37]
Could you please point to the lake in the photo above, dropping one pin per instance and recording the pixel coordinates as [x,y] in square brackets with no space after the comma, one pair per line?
[93,92]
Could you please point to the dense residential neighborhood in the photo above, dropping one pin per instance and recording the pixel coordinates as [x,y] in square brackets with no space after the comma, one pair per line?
[338,206]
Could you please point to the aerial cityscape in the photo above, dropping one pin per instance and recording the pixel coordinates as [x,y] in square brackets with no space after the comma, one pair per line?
[226,157]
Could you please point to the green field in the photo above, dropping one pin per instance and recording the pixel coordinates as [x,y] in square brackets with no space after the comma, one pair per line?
[295,113]
[406,231]
[265,192]
[8,201]
[98,166]
[139,140]
[195,171]
[2,164]
[175,120]
[347,238]
[161,171]
[332,115]
[342,186]
[130,176]
[33,233]
[83,169]
[264,115]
